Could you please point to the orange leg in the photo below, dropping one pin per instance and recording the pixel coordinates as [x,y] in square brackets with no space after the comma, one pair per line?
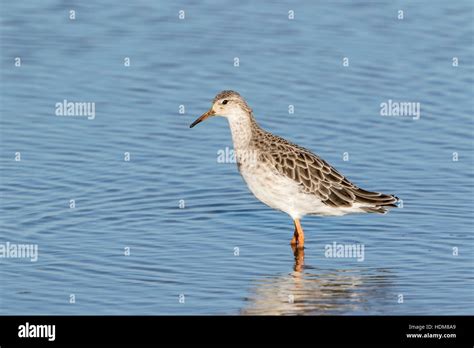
[298,236]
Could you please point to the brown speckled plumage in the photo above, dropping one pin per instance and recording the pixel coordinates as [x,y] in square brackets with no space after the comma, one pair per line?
[315,175]
[235,97]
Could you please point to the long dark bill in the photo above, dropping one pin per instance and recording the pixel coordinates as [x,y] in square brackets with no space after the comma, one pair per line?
[202,118]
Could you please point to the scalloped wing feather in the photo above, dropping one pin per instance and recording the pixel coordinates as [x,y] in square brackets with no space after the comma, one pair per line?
[316,176]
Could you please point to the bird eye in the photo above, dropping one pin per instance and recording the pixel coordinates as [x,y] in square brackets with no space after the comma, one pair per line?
[225,101]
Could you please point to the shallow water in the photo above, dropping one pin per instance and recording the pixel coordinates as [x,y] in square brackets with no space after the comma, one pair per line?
[183,214]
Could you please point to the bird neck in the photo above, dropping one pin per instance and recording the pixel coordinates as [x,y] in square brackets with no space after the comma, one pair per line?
[241,127]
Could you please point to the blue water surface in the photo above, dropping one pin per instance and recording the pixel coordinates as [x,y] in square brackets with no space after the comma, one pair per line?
[199,242]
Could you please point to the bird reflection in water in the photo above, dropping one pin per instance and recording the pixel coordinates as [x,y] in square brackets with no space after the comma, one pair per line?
[299,258]
[314,291]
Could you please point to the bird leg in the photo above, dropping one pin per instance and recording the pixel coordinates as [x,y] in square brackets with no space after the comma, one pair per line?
[298,236]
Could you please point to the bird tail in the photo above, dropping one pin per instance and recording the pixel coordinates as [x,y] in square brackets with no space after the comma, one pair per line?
[375,202]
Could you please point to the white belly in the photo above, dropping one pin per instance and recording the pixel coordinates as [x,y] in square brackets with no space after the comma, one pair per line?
[278,192]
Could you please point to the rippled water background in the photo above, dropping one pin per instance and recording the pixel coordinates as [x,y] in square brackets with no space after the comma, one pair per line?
[190,251]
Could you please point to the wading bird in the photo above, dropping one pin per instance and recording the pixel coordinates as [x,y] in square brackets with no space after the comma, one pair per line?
[288,177]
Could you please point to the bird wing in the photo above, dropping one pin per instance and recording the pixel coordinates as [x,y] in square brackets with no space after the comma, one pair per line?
[316,176]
